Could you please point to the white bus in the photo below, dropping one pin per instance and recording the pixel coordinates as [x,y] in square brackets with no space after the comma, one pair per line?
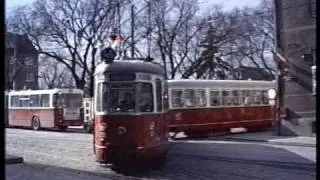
[53,108]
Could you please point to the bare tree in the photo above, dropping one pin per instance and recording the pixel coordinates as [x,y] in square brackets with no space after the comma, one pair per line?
[241,37]
[173,32]
[68,31]
[219,32]
[53,74]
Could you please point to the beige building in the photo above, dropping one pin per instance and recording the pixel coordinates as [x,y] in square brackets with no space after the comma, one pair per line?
[296,43]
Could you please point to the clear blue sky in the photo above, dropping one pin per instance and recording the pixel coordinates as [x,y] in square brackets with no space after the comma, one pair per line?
[227,4]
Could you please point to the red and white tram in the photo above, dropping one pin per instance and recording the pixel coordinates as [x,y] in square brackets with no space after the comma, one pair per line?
[129,108]
[198,107]
[54,108]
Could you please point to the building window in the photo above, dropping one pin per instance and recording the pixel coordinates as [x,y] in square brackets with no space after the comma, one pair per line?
[313,9]
[30,77]
[29,61]
[12,59]
[10,51]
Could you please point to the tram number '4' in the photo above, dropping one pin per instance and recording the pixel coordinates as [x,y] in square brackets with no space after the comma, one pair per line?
[177,116]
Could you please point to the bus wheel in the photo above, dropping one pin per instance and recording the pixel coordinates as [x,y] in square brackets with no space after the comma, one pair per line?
[35,123]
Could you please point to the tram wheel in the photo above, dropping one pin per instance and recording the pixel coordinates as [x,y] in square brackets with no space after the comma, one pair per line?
[35,123]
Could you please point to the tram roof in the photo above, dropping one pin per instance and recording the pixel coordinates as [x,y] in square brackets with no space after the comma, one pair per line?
[132,66]
[45,91]
[190,83]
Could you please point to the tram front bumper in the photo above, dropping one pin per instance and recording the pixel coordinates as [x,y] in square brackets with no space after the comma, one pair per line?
[112,154]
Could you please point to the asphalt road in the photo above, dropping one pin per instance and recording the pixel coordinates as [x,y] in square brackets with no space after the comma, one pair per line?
[68,155]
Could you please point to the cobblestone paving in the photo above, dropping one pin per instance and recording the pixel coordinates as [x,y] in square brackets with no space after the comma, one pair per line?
[186,160]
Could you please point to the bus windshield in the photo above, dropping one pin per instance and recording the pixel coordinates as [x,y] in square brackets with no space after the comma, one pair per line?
[68,100]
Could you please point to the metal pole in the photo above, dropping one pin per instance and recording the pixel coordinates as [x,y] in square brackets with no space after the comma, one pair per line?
[132,30]
[149,30]
[91,91]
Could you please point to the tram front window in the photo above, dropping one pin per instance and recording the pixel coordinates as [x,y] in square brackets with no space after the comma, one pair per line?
[145,97]
[122,97]
[131,97]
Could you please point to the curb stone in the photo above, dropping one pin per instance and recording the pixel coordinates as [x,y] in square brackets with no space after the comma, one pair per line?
[272,142]
[13,159]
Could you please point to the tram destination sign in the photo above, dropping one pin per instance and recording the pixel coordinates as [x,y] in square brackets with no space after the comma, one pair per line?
[122,77]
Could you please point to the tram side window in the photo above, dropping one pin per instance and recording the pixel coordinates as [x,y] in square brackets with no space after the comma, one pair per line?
[215,98]
[227,98]
[159,95]
[265,99]
[14,101]
[146,97]
[236,97]
[165,97]
[45,100]
[190,98]
[257,96]
[34,101]
[247,99]
[176,99]
[201,98]
[101,97]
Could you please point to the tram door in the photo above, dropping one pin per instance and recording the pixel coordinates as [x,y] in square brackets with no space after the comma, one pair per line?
[160,106]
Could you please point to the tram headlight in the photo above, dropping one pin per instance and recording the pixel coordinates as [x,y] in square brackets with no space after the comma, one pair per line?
[272,93]
[121,131]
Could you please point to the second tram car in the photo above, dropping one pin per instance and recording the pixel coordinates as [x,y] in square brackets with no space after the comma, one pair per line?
[198,107]
[52,108]
[130,111]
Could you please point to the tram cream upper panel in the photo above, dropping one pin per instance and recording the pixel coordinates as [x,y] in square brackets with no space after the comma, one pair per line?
[220,84]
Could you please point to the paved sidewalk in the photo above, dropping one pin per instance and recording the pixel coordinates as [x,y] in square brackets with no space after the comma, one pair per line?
[38,172]
[13,159]
[271,137]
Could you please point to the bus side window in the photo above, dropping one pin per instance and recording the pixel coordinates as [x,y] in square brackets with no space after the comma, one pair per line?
[34,101]
[247,99]
[45,100]
[265,99]
[189,98]
[24,101]
[227,98]
[176,99]
[14,101]
[201,98]
[215,98]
